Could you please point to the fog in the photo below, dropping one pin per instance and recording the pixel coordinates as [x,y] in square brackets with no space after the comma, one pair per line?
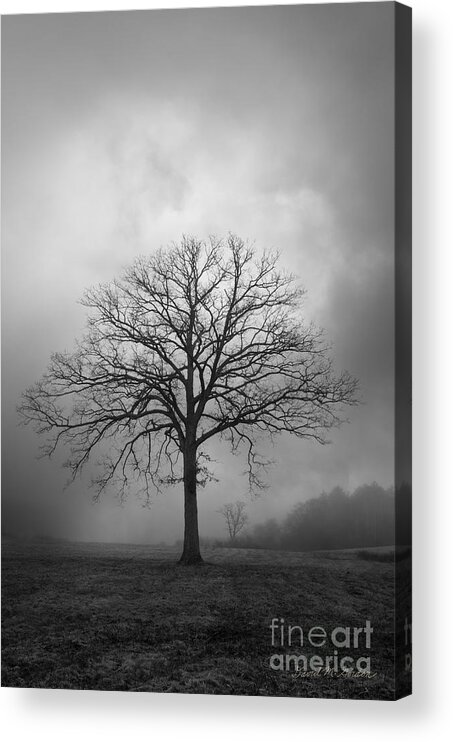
[120,132]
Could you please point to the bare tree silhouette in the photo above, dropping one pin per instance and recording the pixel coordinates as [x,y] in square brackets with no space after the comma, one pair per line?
[235,516]
[202,339]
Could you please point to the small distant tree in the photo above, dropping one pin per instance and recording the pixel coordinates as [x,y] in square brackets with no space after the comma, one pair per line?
[199,340]
[235,516]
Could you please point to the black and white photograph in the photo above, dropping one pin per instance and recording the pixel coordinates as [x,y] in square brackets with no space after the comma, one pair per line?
[206,351]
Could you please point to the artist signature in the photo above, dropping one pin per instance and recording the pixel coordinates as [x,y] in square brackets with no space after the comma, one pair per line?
[333,674]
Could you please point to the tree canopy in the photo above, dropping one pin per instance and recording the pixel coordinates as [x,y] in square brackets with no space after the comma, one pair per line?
[202,339]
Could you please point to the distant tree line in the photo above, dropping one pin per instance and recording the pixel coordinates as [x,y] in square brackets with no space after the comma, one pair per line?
[337,520]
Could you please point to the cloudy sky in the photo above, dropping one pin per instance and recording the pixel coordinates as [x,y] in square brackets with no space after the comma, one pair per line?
[121,131]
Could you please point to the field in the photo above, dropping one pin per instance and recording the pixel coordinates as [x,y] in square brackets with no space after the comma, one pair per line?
[119,617]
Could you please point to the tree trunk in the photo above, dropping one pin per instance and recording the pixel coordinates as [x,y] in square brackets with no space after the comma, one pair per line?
[191,552]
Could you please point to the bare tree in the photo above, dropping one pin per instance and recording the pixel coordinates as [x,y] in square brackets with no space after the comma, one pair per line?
[235,517]
[199,340]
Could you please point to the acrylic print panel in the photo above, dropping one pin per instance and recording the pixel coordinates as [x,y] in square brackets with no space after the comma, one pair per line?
[206,330]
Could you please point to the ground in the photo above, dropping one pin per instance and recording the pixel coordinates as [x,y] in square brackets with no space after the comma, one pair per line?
[118,617]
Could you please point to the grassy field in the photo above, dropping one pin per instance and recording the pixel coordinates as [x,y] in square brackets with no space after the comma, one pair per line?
[116,617]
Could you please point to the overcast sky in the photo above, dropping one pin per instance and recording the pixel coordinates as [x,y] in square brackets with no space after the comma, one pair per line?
[120,132]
